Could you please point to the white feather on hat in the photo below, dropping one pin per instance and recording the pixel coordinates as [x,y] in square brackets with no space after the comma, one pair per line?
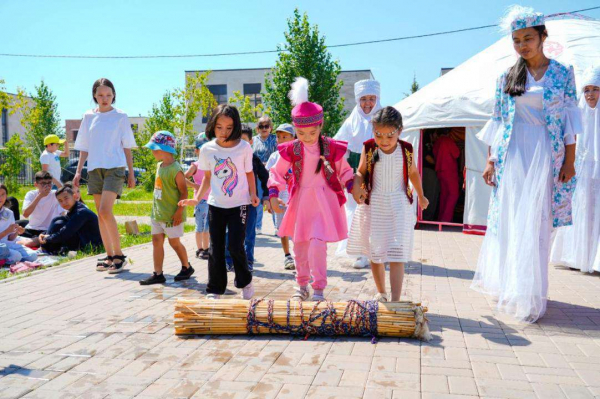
[299,92]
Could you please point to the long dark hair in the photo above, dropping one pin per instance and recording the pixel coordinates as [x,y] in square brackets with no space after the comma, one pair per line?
[225,110]
[103,82]
[517,74]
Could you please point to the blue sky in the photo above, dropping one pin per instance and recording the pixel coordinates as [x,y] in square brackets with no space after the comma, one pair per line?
[135,27]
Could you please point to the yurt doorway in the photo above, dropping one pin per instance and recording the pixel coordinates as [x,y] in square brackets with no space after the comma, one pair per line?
[441,163]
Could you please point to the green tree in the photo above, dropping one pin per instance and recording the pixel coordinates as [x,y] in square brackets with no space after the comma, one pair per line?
[175,113]
[248,112]
[193,100]
[5,99]
[39,119]
[304,53]
[14,157]
[414,87]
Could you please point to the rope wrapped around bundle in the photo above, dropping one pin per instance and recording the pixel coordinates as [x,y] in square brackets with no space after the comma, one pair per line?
[323,318]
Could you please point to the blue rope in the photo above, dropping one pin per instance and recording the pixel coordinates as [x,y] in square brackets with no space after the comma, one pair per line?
[361,319]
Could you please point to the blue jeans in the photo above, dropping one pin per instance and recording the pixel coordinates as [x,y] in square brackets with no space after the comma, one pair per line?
[201,215]
[260,211]
[250,240]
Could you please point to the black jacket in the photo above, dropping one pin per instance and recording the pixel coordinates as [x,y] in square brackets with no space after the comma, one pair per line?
[260,174]
[81,223]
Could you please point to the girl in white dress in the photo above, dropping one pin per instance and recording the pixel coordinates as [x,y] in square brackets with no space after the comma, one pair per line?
[531,166]
[578,246]
[383,225]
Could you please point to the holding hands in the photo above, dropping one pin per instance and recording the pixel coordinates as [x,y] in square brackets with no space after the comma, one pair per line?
[277,205]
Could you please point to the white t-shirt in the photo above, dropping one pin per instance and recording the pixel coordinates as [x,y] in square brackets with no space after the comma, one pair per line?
[104,135]
[6,219]
[52,159]
[228,168]
[47,209]
[283,194]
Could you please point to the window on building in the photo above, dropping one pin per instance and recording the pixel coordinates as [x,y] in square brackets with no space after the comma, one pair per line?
[4,126]
[219,92]
[252,90]
[134,128]
[75,134]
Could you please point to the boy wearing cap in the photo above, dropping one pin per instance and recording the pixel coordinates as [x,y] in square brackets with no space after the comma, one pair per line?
[167,216]
[50,158]
[285,133]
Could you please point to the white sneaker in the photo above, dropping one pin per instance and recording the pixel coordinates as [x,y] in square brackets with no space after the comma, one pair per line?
[248,291]
[379,297]
[213,296]
[301,294]
[361,263]
[258,232]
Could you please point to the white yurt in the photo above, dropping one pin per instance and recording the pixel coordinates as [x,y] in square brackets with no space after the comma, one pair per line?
[464,97]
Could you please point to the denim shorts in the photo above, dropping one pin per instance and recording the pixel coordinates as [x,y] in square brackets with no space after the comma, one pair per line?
[201,215]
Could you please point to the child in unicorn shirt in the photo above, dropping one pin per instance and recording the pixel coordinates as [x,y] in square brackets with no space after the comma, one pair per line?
[227,162]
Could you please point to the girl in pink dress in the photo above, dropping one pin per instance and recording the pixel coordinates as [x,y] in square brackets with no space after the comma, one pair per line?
[315,213]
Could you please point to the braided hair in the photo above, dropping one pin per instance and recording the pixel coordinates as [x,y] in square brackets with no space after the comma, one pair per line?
[321,153]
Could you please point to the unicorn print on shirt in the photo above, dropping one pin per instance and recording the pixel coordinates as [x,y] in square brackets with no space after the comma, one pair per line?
[225,169]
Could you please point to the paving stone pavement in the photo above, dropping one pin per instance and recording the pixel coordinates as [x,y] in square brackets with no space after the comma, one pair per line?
[73,332]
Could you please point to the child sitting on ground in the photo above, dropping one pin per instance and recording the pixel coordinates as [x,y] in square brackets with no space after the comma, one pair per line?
[78,229]
[9,231]
[167,216]
[40,206]
[284,133]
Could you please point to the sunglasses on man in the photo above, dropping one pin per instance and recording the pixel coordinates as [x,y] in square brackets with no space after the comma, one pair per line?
[264,126]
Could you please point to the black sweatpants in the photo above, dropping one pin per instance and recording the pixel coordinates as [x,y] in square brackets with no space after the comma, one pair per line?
[221,220]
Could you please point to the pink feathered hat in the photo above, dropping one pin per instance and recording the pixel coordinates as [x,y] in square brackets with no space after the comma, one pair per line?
[305,113]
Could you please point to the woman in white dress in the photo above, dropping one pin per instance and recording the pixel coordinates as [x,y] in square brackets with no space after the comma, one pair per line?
[531,166]
[578,246]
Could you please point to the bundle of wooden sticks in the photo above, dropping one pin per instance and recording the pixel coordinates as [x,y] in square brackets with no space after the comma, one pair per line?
[237,316]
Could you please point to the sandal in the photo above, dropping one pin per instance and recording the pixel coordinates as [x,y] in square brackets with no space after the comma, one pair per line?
[301,294]
[118,267]
[103,264]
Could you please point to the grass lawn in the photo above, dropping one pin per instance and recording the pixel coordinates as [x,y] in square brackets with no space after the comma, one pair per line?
[126,242]
[123,206]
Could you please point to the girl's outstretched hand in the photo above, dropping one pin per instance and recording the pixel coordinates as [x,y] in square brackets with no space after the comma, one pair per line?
[188,202]
[423,202]
[359,194]
[277,205]
[254,200]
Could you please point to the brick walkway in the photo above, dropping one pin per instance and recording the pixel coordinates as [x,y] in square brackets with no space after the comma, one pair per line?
[73,332]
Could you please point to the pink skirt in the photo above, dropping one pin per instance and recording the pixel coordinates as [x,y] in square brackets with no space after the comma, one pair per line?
[314,213]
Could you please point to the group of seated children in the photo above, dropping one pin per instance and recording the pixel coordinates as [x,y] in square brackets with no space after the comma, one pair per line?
[58,221]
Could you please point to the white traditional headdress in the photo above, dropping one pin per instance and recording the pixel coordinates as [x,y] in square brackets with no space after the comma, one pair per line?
[519,17]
